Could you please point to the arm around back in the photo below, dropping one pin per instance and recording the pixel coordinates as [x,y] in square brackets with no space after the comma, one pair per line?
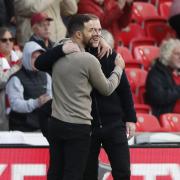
[45,61]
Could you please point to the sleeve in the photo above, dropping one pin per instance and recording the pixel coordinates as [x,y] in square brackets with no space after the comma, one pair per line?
[14,91]
[125,18]
[45,61]
[27,7]
[124,92]
[99,81]
[112,12]
[68,7]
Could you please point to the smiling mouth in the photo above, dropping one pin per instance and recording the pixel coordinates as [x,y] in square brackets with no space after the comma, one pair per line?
[95,38]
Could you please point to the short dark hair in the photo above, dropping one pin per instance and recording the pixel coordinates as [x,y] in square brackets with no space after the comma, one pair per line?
[76,23]
[92,16]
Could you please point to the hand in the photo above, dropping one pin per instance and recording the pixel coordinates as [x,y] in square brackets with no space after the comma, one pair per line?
[130,129]
[70,47]
[119,61]
[43,99]
[104,48]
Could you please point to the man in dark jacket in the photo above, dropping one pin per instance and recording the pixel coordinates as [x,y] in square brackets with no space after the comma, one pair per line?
[114,116]
[162,92]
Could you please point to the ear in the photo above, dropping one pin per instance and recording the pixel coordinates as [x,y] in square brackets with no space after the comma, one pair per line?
[34,28]
[78,35]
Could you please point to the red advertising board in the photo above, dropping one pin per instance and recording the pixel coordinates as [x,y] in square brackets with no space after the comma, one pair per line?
[23,163]
[146,164]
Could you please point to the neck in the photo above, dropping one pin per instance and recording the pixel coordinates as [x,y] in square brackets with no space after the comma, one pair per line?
[7,55]
[46,42]
[79,43]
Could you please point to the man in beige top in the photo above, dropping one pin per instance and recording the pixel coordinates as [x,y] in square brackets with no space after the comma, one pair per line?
[73,77]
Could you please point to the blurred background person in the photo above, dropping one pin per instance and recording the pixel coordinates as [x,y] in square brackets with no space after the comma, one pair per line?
[162,91]
[113,14]
[9,64]
[27,90]
[54,9]
[7,16]
[40,23]
[174,17]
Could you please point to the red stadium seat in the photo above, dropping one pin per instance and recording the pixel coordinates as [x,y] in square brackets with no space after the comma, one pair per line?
[130,32]
[157,2]
[141,41]
[170,121]
[128,58]
[164,9]
[146,53]
[147,123]
[142,108]
[142,11]
[137,79]
[158,29]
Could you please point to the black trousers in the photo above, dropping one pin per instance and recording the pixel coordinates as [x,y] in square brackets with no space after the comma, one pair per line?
[115,144]
[69,147]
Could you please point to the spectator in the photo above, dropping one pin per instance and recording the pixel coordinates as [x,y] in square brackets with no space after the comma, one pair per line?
[54,8]
[176,77]
[27,90]
[9,64]
[108,37]
[162,92]
[7,17]
[174,17]
[40,23]
[114,14]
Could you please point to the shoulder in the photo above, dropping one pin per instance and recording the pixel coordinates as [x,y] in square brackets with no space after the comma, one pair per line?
[85,56]
[14,81]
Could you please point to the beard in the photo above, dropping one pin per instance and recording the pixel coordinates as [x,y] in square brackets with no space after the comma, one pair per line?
[93,42]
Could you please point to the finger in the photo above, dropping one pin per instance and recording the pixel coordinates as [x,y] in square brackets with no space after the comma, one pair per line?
[131,133]
[102,53]
[108,53]
[111,51]
[99,49]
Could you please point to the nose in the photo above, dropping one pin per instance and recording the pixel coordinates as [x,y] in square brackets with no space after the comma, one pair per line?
[96,32]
